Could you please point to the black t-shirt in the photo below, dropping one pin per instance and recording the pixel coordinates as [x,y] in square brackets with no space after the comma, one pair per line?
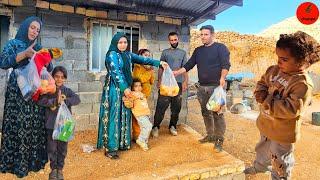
[210,61]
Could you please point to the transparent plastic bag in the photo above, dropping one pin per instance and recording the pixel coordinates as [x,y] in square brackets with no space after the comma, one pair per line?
[169,85]
[217,100]
[64,125]
[47,81]
[47,84]
[28,79]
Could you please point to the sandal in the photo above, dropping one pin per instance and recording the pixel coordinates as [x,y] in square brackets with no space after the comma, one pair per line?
[112,155]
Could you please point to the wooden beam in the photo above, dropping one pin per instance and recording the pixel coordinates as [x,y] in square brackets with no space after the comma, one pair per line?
[4,1]
[67,8]
[56,7]
[81,10]
[43,4]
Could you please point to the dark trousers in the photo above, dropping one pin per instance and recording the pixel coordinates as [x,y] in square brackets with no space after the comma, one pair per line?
[215,123]
[163,104]
[57,151]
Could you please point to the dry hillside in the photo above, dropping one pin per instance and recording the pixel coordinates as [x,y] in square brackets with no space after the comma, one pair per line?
[253,53]
[291,25]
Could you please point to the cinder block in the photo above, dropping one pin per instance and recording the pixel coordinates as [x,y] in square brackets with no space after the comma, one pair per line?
[75,54]
[15,2]
[68,64]
[68,9]
[80,66]
[83,108]
[49,42]
[50,31]
[74,32]
[122,16]
[112,14]
[72,85]
[185,30]
[150,27]
[131,17]
[79,76]
[102,14]
[43,4]
[91,13]
[94,119]
[184,38]
[76,22]
[81,10]
[56,20]
[166,28]
[96,106]
[56,7]
[95,86]
[88,97]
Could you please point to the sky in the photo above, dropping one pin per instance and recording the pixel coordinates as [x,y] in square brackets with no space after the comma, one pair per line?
[255,15]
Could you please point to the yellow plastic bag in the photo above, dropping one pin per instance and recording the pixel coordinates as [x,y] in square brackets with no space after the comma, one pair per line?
[169,85]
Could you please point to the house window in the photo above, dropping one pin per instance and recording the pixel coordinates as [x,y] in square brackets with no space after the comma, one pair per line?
[101,38]
[133,37]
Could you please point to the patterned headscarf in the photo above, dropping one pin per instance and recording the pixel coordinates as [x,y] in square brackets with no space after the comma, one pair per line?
[125,56]
[22,33]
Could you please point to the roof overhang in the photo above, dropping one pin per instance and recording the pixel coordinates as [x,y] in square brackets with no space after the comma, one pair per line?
[193,12]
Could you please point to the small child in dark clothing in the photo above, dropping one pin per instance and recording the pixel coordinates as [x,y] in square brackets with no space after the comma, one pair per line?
[57,150]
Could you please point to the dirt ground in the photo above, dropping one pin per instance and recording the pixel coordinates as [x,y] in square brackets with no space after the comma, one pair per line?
[241,137]
[164,159]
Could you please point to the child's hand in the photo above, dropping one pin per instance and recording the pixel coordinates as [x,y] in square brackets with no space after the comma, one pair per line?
[128,103]
[61,97]
[261,96]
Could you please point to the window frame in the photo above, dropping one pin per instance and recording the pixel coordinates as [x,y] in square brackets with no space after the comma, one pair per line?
[114,25]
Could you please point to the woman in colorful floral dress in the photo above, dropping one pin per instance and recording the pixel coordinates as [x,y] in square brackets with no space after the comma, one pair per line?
[114,131]
[23,143]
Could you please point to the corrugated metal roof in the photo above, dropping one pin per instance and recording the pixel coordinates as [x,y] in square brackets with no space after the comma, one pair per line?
[193,11]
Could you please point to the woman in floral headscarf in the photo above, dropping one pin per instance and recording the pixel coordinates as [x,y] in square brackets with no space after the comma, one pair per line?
[23,144]
[115,119]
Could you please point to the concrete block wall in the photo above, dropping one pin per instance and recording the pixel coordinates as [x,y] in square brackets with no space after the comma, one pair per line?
[69,32]
[155,37]
[3,74]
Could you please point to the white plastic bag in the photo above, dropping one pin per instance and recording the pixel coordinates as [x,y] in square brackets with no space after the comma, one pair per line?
[64,124]
[28,79]
[217,100]
[169,85]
